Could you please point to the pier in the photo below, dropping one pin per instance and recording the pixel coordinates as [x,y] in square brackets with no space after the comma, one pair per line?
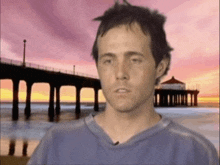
[172,93]
[32,73]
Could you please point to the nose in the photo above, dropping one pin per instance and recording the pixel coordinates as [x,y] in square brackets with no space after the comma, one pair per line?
[122,71]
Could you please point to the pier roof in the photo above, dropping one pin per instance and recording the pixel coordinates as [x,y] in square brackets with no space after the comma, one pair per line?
[172,81]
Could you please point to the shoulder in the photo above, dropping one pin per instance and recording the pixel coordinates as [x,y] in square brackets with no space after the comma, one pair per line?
[194,144]
[69,127]
[178,130]
[60,139]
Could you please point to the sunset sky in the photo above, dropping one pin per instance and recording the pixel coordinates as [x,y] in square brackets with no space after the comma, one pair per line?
[60,34]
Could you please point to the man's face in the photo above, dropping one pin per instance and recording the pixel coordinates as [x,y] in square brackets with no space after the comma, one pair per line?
[126,68]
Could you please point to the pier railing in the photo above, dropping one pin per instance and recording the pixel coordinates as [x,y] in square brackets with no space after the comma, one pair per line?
[189,86]
[41,67]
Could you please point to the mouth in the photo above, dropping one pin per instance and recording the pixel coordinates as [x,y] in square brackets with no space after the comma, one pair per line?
[122,90]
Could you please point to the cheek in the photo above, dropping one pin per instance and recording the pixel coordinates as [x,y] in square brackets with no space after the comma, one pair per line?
[105,78]
[105,73]
[143,73]
[144,79]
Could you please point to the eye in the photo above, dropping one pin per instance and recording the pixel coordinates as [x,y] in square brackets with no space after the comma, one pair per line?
[108,61]
[136,60]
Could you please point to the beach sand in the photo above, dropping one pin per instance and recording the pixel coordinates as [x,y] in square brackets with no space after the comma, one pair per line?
[199,123]
[13,160]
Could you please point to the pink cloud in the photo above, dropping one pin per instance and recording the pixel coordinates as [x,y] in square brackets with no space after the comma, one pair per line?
[61,33]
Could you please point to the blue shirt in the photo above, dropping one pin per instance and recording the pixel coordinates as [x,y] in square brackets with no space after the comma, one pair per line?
[85,142]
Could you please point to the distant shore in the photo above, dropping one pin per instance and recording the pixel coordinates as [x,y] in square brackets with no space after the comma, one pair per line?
[200,104]
[214,105]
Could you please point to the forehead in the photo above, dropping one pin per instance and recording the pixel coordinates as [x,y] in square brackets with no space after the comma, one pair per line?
[121,36]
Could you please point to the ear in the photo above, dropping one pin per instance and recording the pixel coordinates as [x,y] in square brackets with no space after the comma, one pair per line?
[162,66]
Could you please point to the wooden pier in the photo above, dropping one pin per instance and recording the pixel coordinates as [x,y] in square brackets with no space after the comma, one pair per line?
[31,73]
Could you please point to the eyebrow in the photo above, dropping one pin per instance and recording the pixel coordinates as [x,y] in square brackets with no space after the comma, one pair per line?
[128,53]
[131,53]
[107,55]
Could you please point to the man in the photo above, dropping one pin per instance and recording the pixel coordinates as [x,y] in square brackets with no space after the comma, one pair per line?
[131,54]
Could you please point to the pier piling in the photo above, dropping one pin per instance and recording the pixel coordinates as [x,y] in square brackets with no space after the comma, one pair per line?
[27,110]
[96,105]
[77,110]
[15,109]
[51,103]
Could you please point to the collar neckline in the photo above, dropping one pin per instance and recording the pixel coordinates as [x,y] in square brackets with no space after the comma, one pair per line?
[106,140]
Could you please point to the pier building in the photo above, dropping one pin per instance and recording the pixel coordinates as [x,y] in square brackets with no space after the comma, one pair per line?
[174,93]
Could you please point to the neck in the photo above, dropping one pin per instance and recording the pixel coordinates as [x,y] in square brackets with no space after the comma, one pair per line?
[121,126]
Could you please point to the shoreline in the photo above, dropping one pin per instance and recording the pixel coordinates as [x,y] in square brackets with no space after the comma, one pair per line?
[198,122]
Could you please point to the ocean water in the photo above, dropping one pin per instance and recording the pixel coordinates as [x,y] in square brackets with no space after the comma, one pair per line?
[204,120]
[36,127]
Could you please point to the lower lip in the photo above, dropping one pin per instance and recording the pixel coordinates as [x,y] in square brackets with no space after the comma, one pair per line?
[122,93]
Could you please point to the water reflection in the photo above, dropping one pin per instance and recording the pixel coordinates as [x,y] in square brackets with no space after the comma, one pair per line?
[12,145]
[28,130]
[25,146]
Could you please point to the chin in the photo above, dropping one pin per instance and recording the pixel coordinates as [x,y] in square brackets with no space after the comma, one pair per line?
[123,108]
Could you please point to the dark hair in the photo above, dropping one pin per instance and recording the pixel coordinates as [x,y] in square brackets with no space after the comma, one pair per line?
[151,22]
